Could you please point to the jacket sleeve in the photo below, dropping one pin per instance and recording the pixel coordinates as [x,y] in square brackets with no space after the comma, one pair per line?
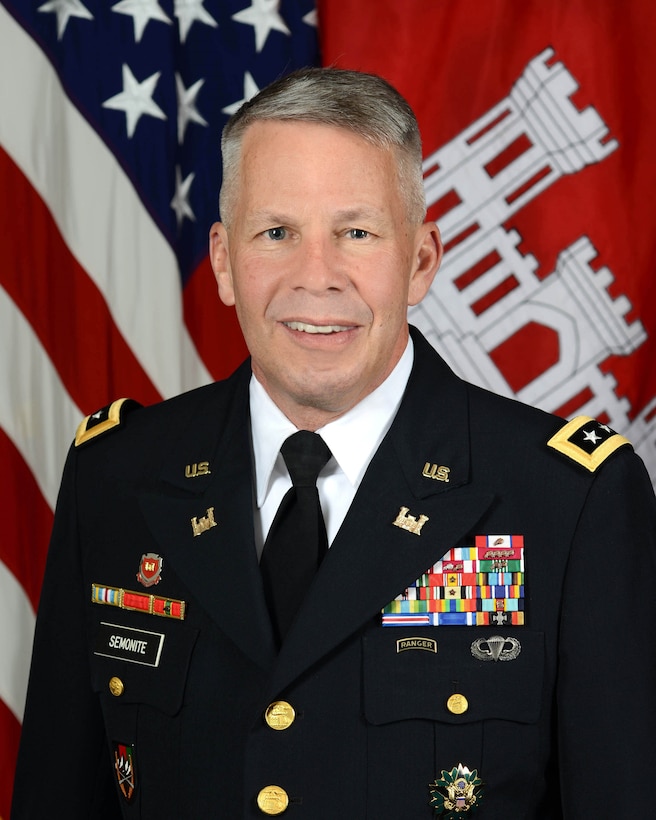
[607,665]
[64,766]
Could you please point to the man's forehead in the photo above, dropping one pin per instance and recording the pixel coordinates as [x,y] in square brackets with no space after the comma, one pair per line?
[269,128]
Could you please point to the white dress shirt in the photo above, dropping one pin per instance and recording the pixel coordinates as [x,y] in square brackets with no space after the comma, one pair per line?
[353,439]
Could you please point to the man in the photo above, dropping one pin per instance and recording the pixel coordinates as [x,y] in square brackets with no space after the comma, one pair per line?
[477,640]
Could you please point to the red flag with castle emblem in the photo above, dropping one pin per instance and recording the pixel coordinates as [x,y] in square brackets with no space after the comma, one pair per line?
[537,122]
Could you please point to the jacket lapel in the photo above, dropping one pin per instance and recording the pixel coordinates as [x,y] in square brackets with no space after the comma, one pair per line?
[373,558]
[205,524]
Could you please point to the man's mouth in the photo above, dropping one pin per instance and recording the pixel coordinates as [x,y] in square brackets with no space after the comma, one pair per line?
[305,327]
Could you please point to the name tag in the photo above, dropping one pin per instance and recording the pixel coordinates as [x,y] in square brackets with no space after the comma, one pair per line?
[128,644]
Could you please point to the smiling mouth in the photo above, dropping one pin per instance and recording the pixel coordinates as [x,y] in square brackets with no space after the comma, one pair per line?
[304,327]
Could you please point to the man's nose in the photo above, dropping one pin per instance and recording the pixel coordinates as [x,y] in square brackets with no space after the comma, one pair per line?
[318,266]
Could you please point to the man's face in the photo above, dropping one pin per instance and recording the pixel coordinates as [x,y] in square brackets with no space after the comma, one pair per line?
[321,264]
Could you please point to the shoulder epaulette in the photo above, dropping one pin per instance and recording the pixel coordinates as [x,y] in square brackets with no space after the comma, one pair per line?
[100,422]
[587,441]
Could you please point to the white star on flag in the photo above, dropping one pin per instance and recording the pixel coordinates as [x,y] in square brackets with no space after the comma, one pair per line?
[65,9]
[187,111]
[190,11]
[136,99]
[142,11]
[263,15]
[250,90]
[311,18]
[180,201]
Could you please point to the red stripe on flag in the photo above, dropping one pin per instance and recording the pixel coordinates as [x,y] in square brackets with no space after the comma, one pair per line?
[10,734]
[27,524]
[212,326]
[61,302]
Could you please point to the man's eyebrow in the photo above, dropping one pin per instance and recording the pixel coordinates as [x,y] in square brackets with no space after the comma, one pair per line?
[264,216]
[363,212]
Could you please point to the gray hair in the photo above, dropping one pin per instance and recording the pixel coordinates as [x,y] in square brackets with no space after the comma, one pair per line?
[362,103]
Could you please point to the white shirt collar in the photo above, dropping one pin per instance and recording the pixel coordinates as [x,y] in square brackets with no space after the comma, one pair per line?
[353,438]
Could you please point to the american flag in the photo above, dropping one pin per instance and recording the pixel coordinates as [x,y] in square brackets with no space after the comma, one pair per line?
[110,122]
[537,121]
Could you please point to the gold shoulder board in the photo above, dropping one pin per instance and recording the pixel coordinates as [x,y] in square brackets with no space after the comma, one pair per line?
[587,441]
[103,420]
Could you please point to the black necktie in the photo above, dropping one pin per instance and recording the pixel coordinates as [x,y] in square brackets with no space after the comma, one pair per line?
[297,542]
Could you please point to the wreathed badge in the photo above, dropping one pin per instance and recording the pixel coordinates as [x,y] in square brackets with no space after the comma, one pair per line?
[124,769]
[455,792]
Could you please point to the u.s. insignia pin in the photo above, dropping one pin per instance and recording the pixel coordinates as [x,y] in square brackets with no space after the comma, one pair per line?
[125,770]
[455,792]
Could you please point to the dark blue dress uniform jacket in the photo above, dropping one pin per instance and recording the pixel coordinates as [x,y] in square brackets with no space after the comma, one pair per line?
[566,729]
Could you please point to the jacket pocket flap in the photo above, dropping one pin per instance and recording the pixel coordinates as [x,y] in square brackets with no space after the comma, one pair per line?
[498,675]
[137,662]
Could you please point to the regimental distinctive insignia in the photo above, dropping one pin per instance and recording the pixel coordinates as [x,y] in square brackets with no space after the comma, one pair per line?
[150,569]
[201,525]
[587,442]
[496,648]
[456,792]
[480,585]
[103,420]
[124,767]
[138,601]
[409,522]
[436,472]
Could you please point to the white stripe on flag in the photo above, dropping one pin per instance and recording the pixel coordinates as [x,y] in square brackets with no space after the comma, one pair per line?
[36,411]
[97,211]
[16,633]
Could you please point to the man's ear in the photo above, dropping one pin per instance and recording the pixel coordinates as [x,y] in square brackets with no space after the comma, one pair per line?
[220,259]
[428,256]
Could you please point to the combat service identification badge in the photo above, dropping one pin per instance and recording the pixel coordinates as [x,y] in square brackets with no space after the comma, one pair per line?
[125,770]
[456,792]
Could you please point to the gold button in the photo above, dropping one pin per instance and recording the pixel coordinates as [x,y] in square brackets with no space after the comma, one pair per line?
[272,800]
[116,687]
[457,704]
[280,715]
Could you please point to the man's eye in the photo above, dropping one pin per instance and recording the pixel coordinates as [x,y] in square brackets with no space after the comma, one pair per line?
[358,233]
[276,233]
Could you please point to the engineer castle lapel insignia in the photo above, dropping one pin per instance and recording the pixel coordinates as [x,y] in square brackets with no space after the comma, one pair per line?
[204,523]
[408,522]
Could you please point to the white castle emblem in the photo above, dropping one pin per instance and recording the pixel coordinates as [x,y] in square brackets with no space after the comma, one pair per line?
[487,293]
